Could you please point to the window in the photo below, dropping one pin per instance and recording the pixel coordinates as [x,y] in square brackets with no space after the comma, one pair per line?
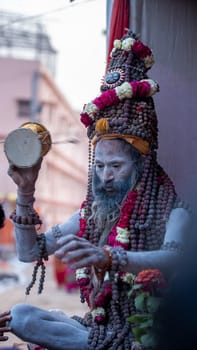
[24,108]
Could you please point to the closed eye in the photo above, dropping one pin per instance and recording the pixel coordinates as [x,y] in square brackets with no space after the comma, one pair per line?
[116,165]
[99,166]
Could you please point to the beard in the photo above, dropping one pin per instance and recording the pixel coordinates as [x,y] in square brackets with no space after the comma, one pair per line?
[106,204]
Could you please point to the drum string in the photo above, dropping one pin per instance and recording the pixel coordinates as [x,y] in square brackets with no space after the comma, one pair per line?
[44,135]
[45,142]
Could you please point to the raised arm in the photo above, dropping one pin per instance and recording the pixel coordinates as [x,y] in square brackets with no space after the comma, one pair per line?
[26,238]
[25,230]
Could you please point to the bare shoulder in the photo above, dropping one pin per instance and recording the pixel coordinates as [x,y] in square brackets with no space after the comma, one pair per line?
[178,226]
[180,215]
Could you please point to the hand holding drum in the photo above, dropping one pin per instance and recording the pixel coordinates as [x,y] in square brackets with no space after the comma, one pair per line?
[24,149]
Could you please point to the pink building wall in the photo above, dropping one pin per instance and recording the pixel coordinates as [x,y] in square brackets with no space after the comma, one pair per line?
[62,182]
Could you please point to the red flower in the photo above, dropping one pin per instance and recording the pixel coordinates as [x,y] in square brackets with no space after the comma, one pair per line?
[134,85]
[151,280]
[140,107]
[140,49]
[112,237]
[83,281]
[143,89]
[99,319]
[85,119]
[102,298]
[107,98]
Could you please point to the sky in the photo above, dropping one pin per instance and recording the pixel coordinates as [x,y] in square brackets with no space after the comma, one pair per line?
[76,30]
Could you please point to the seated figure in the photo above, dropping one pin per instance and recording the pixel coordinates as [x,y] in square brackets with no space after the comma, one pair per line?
[130,221]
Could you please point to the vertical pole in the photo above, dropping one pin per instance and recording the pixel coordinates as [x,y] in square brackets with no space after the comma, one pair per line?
[34,96]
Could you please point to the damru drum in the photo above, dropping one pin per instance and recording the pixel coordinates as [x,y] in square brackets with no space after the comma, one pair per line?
[24,146]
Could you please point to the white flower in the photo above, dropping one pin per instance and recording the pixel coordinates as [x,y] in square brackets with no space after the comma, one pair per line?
[128,277]
[122,235]
[127,44]
[91,109]
[106,277]
[149,60]
[81,273]
[153,86]
[124,91]
[117,44]
[83,212]
[97,312]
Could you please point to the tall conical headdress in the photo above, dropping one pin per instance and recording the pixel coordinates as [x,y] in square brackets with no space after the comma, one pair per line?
[125,108]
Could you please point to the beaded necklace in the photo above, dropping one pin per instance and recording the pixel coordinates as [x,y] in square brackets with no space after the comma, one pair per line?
[118,237]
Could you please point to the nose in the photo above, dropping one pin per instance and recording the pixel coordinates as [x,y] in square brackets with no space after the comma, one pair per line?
[108,175]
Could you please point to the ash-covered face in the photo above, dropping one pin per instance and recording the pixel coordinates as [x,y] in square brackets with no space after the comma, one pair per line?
[113,167]
[115,173]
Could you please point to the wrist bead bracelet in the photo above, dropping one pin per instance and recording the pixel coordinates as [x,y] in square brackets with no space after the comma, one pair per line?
[31,219]
[57,233]
[107,251]
[100,272]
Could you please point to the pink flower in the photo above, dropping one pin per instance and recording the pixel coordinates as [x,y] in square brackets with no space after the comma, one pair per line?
[111,237]
[140,107]
[140,88]
[99,319]
[134,85]
[140,49]
[107,98]
[143,89]
[85,119]
[104,297]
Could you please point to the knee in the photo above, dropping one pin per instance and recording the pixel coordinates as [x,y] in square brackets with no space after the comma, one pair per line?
[22,318]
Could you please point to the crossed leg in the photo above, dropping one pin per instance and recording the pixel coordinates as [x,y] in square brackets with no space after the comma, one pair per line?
[48,329]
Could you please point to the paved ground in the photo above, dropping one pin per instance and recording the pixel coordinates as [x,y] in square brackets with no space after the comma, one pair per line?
[51,298]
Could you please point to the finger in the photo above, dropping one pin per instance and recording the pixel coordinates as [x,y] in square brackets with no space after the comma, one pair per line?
[88,261]
[68,247]
[4,319]
[5,329]
[78,255]
[66,239]
[5,313]
[3,337]
[10,170]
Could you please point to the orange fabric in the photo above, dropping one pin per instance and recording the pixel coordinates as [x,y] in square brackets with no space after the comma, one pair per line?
[141,145]
[6,233]
[102,125]
[119,22]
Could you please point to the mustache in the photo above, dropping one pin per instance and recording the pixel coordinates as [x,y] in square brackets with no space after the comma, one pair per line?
[119,188]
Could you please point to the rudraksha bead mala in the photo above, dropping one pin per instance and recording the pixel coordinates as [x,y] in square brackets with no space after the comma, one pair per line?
[43,256]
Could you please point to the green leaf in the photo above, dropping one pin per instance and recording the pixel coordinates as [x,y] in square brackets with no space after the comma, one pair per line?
[148,340]
[134,288]
[138,333]
[140,301]
[138,318]
[147,324]
[152,304]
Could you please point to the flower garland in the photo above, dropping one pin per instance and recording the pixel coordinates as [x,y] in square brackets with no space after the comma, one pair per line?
[119,236]
[139,49]
[134,89]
